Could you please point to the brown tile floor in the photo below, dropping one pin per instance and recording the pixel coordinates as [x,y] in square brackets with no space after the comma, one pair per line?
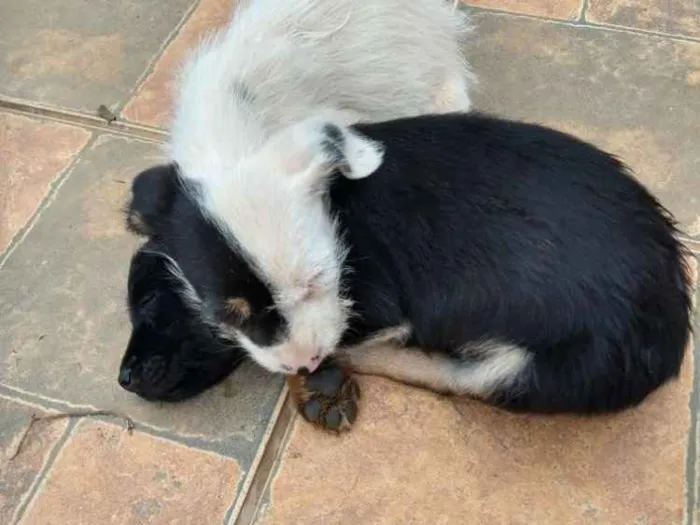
[104,475]
[623,74]
[33,155]
[679,17]
[77,55]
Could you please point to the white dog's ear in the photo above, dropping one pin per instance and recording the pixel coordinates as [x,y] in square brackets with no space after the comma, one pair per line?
[312,149]
[350,152]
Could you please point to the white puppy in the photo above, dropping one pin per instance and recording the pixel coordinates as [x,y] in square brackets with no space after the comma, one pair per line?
[263,106]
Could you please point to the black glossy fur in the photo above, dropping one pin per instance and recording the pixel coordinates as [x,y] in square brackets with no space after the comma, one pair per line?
[480,228]
[173,353]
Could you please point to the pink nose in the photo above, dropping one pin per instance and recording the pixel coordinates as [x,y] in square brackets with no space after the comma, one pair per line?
[310,366]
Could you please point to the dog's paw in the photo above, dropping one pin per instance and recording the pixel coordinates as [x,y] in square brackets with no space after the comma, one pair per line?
[328,398]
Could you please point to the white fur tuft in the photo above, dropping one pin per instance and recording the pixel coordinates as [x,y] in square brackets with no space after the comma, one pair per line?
[364,156]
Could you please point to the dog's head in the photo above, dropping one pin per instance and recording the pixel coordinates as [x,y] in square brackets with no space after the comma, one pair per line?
[174,352]
[255,238]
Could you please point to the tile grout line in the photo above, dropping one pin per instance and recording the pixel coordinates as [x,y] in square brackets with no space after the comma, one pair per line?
[583,11]
[270,430]
[691,463]
[586,25]
[253,513]
[150,67]
[83,120]
[48,199]
[691,448]
[56,405]
[246,507]
[38,482]
[41,401]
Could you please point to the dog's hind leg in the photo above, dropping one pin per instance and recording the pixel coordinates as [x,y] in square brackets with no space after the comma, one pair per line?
[486,367]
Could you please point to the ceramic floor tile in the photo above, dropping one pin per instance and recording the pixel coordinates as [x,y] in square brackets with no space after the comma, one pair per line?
[33,153]
[679,17]
[77,55]
[20,467]
[634,95]
[62,301]
[105,475]
[152,103]
[564,9]
[416,458]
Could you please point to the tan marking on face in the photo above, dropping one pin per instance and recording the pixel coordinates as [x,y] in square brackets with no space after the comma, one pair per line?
[238,307]
[136,223]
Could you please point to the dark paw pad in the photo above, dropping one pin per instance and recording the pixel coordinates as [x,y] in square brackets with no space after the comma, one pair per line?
[327,398]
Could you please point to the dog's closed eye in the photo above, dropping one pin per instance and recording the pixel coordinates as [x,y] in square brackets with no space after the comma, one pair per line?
[147,300]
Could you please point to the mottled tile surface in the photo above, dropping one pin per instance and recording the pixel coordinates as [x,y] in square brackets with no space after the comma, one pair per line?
[18,474]
[62,301]
[33,153]
[679,17]
[152,103]
[104,475]
[634,95]
[76,54]
[417,458]
[565,9]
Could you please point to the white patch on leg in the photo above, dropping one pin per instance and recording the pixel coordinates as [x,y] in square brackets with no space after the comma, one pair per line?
[498,366]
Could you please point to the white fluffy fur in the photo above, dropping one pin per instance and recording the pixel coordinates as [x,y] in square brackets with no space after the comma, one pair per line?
[251,105]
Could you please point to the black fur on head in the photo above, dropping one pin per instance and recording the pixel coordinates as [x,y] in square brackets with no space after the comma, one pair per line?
[152,193]
[173,353]
[186,285]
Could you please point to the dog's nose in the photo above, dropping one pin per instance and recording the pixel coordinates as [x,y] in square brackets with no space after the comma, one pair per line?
[125,378]
[303,371]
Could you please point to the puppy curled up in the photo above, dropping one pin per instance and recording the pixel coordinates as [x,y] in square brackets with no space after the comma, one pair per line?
[463,253]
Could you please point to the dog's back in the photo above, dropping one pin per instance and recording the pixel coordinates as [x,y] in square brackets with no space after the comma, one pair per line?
[476,229]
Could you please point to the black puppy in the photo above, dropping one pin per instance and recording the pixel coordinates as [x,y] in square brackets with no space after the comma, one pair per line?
[483,257]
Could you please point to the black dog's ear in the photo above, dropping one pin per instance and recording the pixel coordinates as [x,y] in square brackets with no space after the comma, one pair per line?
[152,193]
[155,277]
[148,275]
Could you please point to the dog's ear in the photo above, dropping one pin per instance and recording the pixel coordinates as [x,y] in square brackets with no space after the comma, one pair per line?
[157,288]
[152,193]
[148,275]
[313,149]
